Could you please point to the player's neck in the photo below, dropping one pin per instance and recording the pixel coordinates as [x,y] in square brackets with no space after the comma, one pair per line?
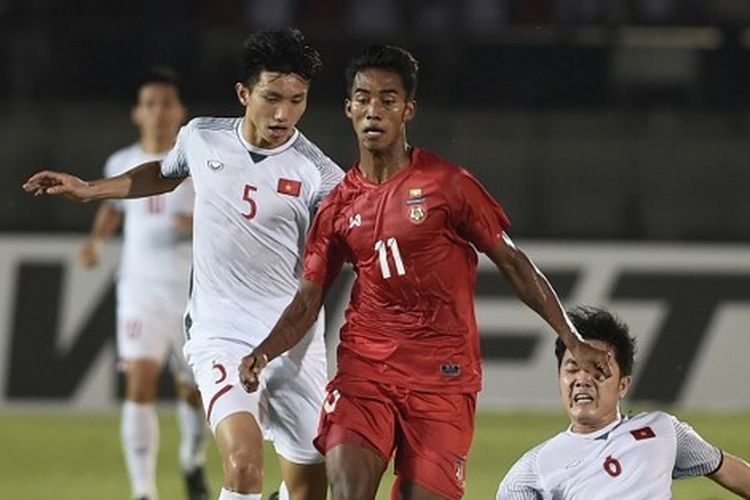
[379,166]
[156,145]
[583,427]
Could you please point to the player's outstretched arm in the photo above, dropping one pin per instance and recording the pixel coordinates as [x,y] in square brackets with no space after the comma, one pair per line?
[734,475]
[291,327]
[143,180]
[106,222]
[535,291]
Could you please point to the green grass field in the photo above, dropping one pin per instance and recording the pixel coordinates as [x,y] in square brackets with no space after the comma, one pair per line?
[77,456]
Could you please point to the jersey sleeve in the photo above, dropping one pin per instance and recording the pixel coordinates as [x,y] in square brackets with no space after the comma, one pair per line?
[184,197]
[175,163]
[522,481]
[330,175]
[478,218]
[324,252]
[695,456]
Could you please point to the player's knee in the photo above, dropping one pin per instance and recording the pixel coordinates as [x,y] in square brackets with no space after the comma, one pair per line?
[243,468]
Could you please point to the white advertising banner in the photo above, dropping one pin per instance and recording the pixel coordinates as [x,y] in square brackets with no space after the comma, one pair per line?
[688,306]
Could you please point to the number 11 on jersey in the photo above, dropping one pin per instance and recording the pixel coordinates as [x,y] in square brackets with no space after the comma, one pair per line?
[382,248]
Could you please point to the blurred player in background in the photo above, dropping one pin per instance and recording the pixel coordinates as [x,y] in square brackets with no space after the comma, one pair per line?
[258,182]
[409,367]
[604,454]
[152,292]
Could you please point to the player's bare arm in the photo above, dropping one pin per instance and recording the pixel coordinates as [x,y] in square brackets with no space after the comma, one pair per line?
[107,220]
[535,291]
[143,180]
[734,475]
[291,327]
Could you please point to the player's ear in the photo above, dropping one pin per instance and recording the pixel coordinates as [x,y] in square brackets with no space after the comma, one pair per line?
[348,108]
[243,93]
[410,110]
[624,386]
[135,115]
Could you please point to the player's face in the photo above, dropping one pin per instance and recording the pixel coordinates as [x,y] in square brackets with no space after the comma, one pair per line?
[379,109]
[273,106]
[159,112]
[591,404]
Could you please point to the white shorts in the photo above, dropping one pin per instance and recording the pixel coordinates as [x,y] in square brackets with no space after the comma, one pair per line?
[287,404]
[150,326]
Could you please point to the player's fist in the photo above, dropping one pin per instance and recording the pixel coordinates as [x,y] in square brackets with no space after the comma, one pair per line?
[58,183]
[88,256]
[250,368]
[595,361]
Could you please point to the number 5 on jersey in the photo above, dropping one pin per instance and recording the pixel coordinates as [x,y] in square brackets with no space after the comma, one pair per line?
[382,248]
[246,195]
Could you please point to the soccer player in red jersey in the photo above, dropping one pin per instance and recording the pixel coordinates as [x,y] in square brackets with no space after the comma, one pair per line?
[409,367]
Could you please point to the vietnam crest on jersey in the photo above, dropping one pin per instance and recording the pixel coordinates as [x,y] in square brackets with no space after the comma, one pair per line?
[416,206]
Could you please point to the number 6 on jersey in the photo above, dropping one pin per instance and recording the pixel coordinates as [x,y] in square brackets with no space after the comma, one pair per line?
[382,248]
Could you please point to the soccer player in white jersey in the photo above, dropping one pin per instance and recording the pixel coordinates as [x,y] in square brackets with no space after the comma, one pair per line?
[605,455]
[258,181]
[152,291]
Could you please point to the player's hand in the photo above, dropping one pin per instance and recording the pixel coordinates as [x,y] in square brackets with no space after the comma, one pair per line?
[250,368]
[595,361]
[58,183]
[88,256]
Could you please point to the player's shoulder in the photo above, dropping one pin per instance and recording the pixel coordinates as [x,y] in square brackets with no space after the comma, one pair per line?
[649,423]
[649,417]
[125,151]
[213,124]
[436,164]
[121,159]
[551,448]
[324,165]
[440,169]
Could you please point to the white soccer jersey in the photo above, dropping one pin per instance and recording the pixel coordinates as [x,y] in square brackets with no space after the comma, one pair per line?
[634,458]
[253,208]
[154,252]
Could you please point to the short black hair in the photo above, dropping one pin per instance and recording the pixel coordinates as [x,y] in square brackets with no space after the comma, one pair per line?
[284,51]
[599,324]
[160,74]
[387,57]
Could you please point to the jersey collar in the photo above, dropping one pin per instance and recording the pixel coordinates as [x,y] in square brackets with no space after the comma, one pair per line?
[602,433]
[414,159]
[262,151]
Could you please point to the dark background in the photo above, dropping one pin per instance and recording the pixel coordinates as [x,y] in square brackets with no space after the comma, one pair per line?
[587,119]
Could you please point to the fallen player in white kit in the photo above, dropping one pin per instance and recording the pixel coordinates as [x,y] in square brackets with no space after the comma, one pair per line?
[605,455]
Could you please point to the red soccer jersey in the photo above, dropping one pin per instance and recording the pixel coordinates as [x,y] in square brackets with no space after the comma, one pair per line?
[410,321]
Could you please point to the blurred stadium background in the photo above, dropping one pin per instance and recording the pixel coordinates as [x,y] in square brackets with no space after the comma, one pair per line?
[614,133]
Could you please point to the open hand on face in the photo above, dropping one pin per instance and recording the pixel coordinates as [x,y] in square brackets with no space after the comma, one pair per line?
[595,361]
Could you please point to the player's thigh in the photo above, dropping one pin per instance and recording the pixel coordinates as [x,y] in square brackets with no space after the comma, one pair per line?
[215,363]
[294,393]
[357,434]
[436,435]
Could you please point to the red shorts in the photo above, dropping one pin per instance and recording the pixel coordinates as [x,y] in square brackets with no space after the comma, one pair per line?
[429,433]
